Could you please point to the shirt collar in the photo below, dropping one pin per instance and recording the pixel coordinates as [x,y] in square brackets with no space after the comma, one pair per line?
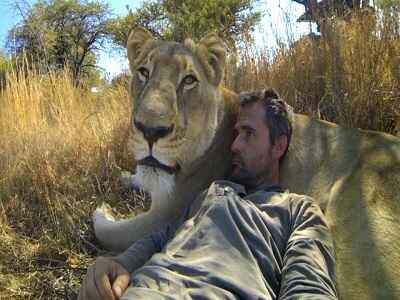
[241,191]
[274,188]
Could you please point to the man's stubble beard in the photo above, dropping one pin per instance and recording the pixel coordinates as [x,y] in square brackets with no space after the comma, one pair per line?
[250,180]
[242,176]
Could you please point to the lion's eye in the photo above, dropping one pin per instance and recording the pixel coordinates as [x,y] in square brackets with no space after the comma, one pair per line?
[143,74]
[189,81]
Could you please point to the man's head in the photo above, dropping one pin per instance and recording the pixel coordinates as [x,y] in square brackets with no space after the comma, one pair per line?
[263,136]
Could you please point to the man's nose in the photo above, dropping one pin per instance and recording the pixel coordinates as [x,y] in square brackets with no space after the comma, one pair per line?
[235,145]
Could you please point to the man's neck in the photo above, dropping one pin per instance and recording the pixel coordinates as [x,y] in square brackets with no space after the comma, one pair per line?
[265,184]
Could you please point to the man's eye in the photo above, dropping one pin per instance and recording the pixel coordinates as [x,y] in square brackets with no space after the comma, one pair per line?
[248,133]
[143,74]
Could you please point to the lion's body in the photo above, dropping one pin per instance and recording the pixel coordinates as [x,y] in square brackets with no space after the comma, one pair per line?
[354,175]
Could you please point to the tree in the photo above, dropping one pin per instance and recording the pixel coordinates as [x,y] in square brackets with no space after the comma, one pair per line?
[59,33]
[178,19]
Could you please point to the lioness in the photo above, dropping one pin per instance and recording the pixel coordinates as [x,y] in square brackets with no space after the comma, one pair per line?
[181,133]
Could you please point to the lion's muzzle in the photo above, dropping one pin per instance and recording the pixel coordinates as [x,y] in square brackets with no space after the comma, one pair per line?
[152,134]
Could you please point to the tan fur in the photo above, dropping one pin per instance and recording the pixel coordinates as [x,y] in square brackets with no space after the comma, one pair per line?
[353,174]
[355,177]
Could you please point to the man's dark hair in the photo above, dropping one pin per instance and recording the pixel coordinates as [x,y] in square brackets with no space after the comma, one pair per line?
[276,113]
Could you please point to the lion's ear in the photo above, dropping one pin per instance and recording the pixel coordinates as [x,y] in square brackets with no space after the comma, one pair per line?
[136,40]
[212,50]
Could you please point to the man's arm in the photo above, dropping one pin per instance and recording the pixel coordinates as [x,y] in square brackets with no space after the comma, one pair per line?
[141,251]
[309,264]
[109,277]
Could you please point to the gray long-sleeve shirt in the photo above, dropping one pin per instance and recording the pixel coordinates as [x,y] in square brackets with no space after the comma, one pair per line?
[230,245]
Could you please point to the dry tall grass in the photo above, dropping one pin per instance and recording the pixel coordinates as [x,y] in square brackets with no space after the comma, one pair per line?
[349,75]
[62,148]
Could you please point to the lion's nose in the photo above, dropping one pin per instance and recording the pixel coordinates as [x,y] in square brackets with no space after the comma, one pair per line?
[152,134]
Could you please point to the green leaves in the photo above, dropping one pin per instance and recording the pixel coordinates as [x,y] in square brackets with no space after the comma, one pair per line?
[58,33]
[61,33]
[179,19]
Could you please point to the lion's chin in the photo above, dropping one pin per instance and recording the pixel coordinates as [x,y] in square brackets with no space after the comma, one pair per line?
[154,180]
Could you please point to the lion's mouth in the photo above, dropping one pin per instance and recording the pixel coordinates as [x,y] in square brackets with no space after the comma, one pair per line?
[152,162]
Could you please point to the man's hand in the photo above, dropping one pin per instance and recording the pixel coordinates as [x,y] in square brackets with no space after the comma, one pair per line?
[105,280]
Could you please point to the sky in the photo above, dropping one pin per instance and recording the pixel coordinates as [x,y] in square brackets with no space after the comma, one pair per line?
[272,24]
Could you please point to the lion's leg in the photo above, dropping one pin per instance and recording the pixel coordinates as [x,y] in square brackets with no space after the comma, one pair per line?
[131,181]
[119,235]
[114,234]
[165,208]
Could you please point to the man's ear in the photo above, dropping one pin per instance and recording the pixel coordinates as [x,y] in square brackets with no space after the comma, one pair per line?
[279,147]
[135,44]
[212,51]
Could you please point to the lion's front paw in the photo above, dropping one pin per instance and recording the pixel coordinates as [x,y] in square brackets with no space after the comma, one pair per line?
[103,212]
[130,181]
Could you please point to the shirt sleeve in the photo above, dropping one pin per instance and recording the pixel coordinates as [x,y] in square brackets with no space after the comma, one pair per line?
[309,264]
[142,250]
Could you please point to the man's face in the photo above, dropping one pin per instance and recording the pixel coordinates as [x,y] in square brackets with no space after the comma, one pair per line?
[254,161]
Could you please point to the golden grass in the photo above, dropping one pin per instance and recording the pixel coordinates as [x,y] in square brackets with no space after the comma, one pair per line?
[62,147]
[349,75]
[60,155]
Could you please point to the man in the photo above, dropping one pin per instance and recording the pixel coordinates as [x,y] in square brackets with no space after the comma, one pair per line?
[240,239]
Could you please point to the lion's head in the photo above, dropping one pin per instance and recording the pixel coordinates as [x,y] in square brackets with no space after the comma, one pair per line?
[177,106]
[180,133]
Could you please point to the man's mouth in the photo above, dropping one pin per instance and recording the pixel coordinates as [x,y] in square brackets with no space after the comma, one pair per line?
[236,161]
[152,162]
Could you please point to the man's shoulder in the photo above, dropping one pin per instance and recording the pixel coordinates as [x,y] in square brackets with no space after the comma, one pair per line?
[303,205]
[295,203]
[299,199]
[282,195]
